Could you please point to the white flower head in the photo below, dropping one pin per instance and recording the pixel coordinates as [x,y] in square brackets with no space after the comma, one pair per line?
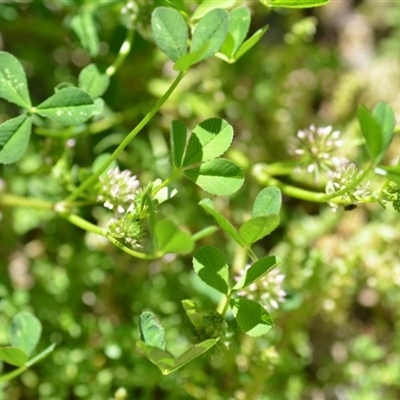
[118,189]
[268,290]
[317,148]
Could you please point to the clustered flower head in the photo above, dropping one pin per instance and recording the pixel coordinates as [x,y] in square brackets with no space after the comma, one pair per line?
[341,178]
[391,193]
[318,148]
[118,189]
[267,291]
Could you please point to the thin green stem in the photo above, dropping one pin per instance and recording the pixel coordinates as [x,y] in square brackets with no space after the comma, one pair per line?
[13,374]
[93,178]
[226,303]
[12,200]
[303,194]
[132,252]
[204,233]
[87,226]
[123,52]
[167,181]
[251,254]
[82,223]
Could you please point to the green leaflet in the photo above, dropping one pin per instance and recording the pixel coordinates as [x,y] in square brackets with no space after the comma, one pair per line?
[92,81]
[209,139]
[210,33]
[220,177]
[170,32]
[14,138]
[151,330]
[13,84]
[170,239]
[252,318]
[212,268]
[69,106]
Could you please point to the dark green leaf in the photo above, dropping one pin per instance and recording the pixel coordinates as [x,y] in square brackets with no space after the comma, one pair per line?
[13,356]
[257,271]
[212,268]
[84,26]
[211,31]
[256,228]
[178,142]
[170,32]
[170,239]
[267,202]
[13,85]
[70,106]
[14,138]
[251,316]
[25,332]
[151,330]
[209,139]
[239,23]
[220,177]
[92,81]
[225,225]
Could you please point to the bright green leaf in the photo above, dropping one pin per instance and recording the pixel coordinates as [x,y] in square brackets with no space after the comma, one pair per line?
[212,268]
[256,228]
[220,177]
[13,356]
[372,133]
[92,81]
[209,139]
[297,3]
[249,43]
[251,316]
[161,358]
[194,352]
[170,32]
[70,106]
[13,85]
[224,224]
[267,202]
[257,271]
[178,142]
[239,23]
[208,5]
[151,330]
[170,239]
[84,26]
[211,31]
[14,138]
[25,332]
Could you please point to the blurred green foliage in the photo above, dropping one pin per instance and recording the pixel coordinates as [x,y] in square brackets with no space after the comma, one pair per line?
[337,333]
